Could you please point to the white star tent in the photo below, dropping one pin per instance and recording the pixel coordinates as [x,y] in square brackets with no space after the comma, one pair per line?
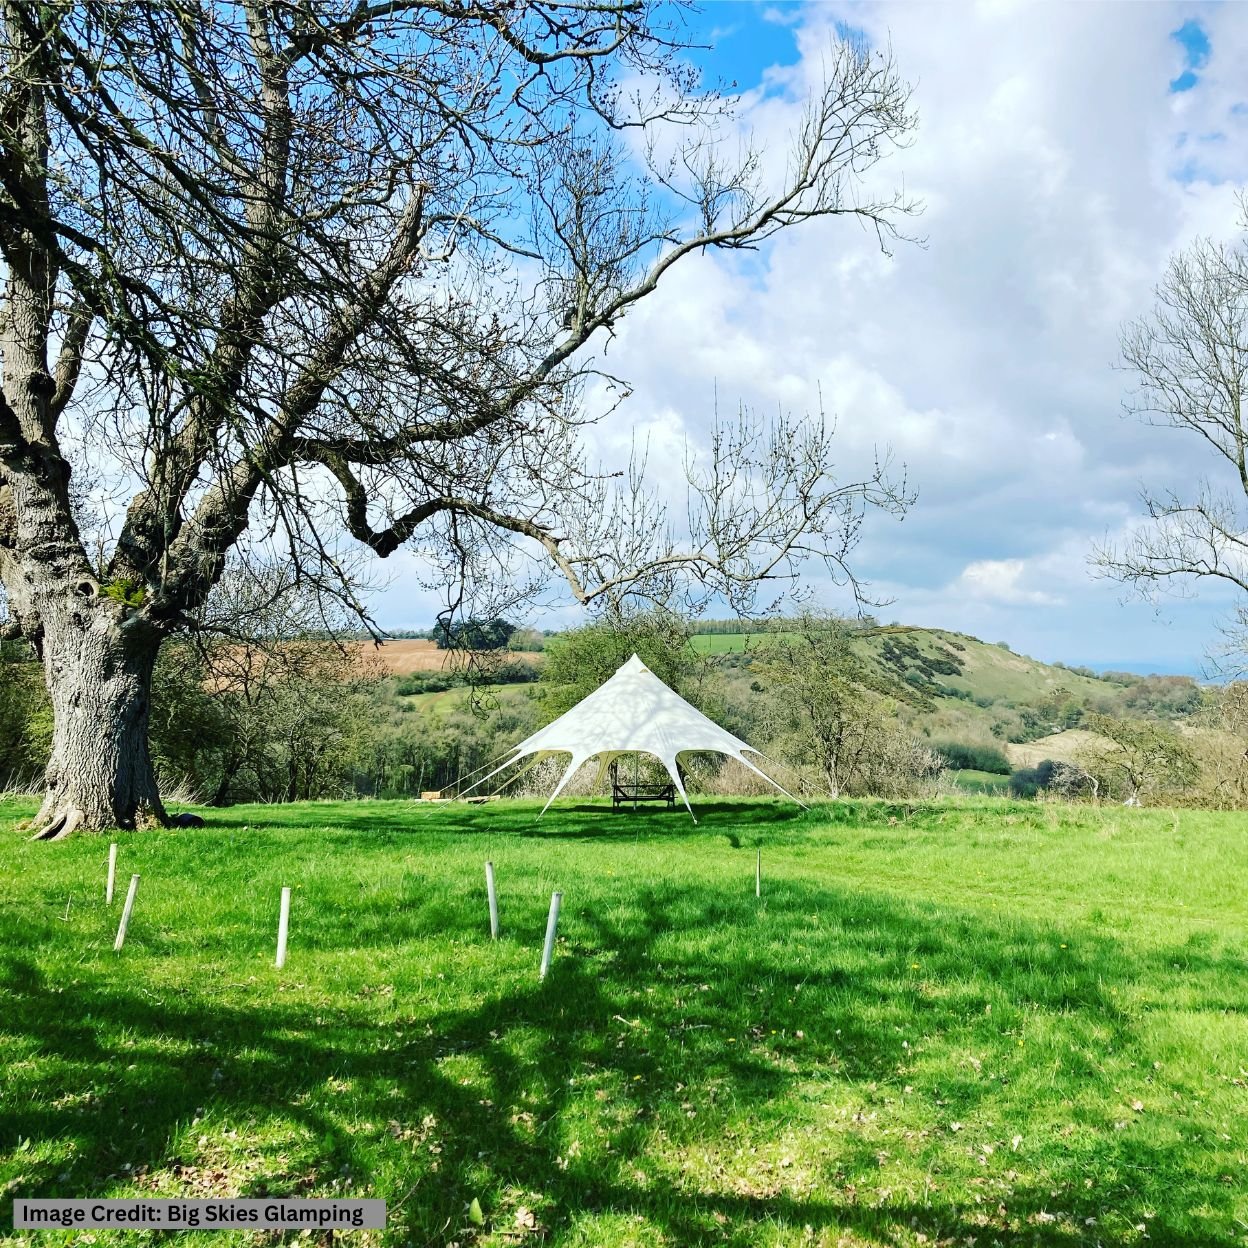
[632,713]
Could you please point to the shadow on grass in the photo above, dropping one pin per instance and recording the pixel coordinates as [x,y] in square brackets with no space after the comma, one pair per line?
[509,1082]
[382,823]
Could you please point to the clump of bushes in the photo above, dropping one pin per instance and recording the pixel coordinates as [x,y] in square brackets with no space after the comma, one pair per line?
[961,756]
[963,695]
[473,634]
[1028,781]
[427,682]
[25,718]
[917,668]
[512,672]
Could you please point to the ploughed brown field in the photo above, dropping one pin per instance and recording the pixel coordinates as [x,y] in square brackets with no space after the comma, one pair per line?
[418,655]
[240,664]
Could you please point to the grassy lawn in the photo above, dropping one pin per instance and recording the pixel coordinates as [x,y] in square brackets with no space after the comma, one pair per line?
[980,781]
[967,1022]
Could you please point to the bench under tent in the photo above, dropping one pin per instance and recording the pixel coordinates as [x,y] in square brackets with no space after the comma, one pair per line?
[633,713]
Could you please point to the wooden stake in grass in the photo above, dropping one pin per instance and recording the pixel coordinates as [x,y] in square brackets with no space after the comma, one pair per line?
[283,928]
[492,893]
[125,914]
[758,875]
[112,874]
[552,922]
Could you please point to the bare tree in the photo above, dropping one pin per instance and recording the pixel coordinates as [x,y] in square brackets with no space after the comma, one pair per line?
[266,700]
[1142,759]
[1190,360]
[294,269]
[834,710]
[1071,781]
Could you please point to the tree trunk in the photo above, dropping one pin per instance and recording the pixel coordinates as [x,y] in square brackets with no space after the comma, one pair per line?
[229,769]
[98,669]
[834,789]
[830,761]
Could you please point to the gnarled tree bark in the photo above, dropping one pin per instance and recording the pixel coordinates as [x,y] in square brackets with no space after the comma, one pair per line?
[99,672]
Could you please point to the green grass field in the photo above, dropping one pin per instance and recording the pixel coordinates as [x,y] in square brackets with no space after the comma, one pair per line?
[726,643]
[448,701]
[967,1022]
[979,781]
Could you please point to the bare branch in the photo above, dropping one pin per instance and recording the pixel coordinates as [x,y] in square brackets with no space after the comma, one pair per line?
[337,272]
[69,360]
[1189,358]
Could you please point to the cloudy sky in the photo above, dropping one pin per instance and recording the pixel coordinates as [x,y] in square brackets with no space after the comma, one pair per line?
[1063,152]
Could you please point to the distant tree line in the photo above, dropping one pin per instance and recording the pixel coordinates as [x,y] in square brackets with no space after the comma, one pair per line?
[276,718]
[733,625]
[717,628]
[473,634]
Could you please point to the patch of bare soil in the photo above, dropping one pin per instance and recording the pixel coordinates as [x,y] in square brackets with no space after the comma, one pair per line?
[407,655]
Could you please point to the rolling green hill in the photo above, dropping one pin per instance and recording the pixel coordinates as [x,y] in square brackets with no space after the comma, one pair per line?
[983,669]
[956,687]
[417,734]
[960,688]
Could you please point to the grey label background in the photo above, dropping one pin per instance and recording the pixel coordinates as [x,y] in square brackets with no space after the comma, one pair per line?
[234,1215]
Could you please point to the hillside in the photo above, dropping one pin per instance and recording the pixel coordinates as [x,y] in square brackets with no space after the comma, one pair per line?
[956,689]
[405,723]
[1061,747]
[960,688]
[983,669]
[958,684]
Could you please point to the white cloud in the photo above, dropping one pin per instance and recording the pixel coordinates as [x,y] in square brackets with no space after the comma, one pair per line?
[1059,173]
[1049,153]
[1002,580]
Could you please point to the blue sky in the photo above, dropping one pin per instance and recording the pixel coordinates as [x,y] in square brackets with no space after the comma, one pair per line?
[1064,151]
[1194,40]
[743,39]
